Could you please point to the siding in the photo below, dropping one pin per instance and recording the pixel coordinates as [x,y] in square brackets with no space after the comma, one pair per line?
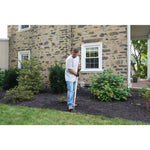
[4,48]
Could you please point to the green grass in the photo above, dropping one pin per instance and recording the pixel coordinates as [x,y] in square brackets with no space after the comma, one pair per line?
[19,115]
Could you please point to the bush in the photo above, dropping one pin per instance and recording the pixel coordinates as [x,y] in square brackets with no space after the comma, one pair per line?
[145,93]
[10,78]
[109,87]
[18,93]
[2,74]
[57,78]
[30,75]
[29,79]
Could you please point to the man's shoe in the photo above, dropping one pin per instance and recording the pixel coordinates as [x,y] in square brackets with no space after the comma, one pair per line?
[70,108]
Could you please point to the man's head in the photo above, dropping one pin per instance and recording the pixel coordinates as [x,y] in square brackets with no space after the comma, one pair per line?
[75,52]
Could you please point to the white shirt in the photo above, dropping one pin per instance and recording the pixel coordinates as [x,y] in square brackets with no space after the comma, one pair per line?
[71,63]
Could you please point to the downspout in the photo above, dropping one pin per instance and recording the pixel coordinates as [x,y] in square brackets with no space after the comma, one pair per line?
[129,54]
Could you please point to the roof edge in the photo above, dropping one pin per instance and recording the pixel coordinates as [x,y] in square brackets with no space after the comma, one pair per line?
[4,39]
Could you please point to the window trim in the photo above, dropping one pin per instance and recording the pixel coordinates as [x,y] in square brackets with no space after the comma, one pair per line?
[19,56]
[83,56]
[19,28]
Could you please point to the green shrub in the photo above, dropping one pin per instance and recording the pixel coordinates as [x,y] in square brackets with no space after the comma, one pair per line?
[2,75]
[30,75]
[29,79]
[18,93]
[10,78]
[109,87]
[145,93]
[57,78]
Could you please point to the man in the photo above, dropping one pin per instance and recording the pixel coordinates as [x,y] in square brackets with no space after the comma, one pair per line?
[71,72]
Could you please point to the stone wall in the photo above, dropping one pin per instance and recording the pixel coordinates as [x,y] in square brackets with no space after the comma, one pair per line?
[47,42]
[114,49]
[54,42]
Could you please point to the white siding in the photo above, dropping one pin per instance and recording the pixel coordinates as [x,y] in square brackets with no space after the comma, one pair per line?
[4,53]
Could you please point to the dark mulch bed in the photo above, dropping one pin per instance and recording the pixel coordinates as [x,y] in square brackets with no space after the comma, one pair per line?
[130,109]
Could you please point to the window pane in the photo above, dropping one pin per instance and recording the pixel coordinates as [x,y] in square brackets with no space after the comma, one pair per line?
[25,57]
[92,62]
[92,52]
[24,26]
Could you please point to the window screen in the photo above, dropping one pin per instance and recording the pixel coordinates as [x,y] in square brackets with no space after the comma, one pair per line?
[92,59]
[24,26]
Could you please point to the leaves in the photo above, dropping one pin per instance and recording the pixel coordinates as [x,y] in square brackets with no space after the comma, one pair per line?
[108,86]
[139,57]
[29,80]
[56,78]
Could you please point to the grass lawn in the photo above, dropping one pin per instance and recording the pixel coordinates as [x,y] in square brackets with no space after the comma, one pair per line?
[19,115]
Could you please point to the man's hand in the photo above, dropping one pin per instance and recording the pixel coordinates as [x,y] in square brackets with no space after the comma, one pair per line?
[77,74]
[79,69]
[73,72]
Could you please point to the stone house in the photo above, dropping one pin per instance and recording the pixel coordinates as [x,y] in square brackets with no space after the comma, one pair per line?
[101,47]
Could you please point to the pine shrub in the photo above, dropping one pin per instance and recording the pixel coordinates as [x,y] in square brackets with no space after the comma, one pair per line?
[2,75]
[29,79]
[57,78]
[30,75]
[10,78]
[18,93]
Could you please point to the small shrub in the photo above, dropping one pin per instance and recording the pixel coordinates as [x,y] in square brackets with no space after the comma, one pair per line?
[10,78]
[30,75]
[57,78]
[2,75]
[109,87]
[61,99]
[29,79]
[18,93]
[145,94]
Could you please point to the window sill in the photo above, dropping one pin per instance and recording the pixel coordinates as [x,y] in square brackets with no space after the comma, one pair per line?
[91,71]
[21,30]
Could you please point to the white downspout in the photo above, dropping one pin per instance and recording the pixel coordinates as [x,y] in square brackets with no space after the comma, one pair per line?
[129,54]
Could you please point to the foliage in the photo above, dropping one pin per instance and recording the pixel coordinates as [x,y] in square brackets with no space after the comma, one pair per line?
[56,78]
[2,75]
[10,78]
[108,86]
[18,93]
[145,94]
[61,99]
[29,81]
[139,57]
[30,75]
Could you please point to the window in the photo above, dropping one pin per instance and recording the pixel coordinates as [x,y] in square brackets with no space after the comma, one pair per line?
[23,27]
[23,55]
[91,57]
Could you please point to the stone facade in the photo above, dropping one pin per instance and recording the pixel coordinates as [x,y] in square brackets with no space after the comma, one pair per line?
[52,43]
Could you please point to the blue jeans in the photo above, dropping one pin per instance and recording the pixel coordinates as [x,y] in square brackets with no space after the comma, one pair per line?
[70,92]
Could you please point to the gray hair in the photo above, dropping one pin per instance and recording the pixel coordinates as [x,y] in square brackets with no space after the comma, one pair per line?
[75,50]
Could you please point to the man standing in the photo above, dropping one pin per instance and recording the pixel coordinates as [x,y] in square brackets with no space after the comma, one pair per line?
[71,72]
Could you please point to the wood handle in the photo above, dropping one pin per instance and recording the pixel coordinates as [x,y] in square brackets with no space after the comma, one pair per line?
[74,101]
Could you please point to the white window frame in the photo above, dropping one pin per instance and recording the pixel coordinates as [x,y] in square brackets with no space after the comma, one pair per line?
[83,56]
[20,53]
[19,28]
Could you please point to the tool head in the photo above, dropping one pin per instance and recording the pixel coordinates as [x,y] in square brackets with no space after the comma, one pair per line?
[73,110]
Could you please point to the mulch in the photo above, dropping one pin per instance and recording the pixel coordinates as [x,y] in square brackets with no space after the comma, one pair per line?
[132,109]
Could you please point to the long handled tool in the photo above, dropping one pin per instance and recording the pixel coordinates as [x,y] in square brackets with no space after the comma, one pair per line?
[74,100]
